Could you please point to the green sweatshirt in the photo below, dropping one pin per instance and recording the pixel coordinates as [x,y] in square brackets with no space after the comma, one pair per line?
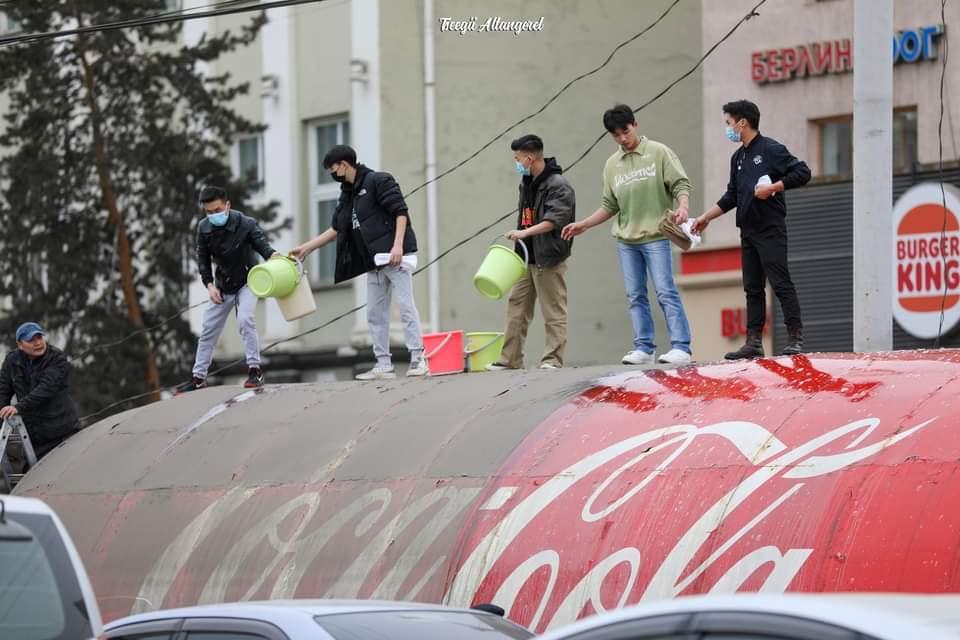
[638,186]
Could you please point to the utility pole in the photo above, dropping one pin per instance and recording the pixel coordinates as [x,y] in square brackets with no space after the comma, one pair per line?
[872,175]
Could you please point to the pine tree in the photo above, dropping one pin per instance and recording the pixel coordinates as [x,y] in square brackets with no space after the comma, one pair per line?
[108,138]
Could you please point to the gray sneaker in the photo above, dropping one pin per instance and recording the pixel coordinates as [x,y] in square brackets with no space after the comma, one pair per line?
[418,368]
[675,356]
[637,357]
[377,373]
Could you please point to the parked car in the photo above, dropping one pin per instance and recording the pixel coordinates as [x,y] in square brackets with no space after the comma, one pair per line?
[316,620]
[45,593]
[823,616]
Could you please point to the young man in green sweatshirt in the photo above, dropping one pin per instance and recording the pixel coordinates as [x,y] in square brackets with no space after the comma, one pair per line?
[641,180]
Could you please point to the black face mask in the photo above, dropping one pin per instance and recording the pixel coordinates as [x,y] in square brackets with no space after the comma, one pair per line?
[336,178]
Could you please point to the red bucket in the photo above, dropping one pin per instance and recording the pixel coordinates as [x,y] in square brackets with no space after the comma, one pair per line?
[444,352]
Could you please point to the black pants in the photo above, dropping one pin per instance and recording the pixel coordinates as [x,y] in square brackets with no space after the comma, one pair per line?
[764,257]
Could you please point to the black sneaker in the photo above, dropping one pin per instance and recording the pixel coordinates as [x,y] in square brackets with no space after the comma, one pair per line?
[254,378]
[194,384]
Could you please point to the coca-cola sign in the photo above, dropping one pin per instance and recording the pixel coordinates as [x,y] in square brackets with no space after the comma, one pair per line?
[825,475]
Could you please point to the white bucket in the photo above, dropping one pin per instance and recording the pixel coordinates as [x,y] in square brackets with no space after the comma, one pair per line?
[300,303]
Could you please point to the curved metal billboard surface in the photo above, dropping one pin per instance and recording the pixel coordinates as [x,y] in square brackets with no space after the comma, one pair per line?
[554,494]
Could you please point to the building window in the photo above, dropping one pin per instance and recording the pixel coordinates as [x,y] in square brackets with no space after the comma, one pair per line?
[904,139]
[835,139]
[324,193]
[8,25]
[836,147]
[248,159]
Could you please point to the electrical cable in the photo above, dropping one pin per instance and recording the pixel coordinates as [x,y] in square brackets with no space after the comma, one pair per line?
[553,98]
[162,18]
[943,193]
[751,14]
[543,108]
[183,13]
[133,334]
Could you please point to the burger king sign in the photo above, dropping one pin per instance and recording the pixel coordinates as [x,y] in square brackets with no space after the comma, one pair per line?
[926,245]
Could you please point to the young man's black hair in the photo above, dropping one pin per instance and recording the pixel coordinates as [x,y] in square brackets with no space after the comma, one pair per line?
[212,193]
[340,153]
[617,118]
[744,109]
[530,143]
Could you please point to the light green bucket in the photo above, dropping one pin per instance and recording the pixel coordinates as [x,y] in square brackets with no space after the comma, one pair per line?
[482,348]
[275,278]
[500,270]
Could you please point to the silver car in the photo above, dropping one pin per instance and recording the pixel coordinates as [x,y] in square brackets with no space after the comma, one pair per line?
[45,593]
[316,620]
[826,616]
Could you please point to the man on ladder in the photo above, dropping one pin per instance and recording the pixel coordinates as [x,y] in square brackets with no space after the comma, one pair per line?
[37,374]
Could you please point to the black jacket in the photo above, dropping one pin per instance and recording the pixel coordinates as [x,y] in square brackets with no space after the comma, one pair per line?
[553,199]
[762,156]
[376,200]
[233,248]
[43,400]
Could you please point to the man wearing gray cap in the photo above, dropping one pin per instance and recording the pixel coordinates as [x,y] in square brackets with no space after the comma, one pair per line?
[37,373]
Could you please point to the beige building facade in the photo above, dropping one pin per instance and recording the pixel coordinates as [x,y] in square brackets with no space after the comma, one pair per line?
[354,72]
[417,86]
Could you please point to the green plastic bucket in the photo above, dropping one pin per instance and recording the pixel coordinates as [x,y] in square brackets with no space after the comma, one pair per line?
[500,270]
[482,348]
[275,278]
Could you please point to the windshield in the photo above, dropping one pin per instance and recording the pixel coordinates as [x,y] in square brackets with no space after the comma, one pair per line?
[40,598]
[420,625]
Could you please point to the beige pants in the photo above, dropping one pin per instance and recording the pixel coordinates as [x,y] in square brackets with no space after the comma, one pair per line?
[548,284]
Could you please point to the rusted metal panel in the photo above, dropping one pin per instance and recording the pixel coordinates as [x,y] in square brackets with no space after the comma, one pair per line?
[553,494]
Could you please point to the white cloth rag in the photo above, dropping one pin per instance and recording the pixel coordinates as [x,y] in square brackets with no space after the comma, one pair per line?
[409,260]
[695,239]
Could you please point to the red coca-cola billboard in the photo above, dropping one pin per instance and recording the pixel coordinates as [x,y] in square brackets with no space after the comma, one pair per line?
[552,494]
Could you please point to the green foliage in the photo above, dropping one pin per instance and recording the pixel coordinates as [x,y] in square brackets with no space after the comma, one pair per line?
[166,128]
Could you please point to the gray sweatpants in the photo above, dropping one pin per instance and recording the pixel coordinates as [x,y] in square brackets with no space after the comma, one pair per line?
[381,283]
[215,316]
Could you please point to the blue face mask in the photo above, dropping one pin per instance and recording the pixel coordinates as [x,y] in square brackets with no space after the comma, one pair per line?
[219,219]
[522,170]
[732,135]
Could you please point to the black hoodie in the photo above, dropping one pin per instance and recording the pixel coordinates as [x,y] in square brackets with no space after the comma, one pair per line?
[549,196]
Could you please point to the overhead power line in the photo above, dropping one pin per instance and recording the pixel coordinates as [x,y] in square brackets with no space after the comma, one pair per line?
[751,14]
[163,18]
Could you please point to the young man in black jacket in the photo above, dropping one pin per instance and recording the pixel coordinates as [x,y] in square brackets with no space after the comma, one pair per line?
[371,219]
[37,373]
[231,241]
[760,170]
[547,204]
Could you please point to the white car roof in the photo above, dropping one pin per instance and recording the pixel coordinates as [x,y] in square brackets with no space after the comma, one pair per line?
[882,615]
[280,611]
[24,505]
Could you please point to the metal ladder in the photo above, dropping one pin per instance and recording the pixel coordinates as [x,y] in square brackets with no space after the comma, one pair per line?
[13,430]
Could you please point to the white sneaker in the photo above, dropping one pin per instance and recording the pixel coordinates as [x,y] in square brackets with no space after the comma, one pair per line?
[377,373]
[638,357]
[496,366]
[675,356]
[418,368]
[549,365]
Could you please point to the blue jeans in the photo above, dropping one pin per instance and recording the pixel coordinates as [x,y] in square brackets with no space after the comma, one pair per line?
[636,260]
